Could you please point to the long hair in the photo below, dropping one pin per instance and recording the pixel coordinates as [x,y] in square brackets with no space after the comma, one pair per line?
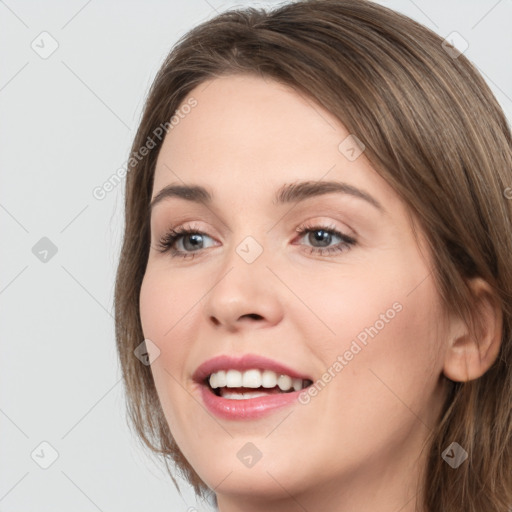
[431,128]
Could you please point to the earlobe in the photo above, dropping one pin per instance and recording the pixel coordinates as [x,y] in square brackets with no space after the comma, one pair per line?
[470,354]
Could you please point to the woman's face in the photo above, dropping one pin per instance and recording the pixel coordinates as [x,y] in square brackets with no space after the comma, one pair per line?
[356,313]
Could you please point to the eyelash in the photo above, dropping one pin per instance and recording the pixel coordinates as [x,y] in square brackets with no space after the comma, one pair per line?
[167,242]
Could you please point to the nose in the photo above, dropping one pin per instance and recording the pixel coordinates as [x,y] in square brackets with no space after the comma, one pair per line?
[244,295]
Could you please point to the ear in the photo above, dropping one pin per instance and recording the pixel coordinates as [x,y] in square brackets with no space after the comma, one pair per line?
[469,355]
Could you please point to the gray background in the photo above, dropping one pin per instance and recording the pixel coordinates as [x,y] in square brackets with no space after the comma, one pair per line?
[66,125]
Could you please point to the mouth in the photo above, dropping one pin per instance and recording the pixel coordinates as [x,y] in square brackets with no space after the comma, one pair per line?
[253,383]
[247,387]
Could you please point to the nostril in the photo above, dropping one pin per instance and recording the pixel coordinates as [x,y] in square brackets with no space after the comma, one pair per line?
[255,316]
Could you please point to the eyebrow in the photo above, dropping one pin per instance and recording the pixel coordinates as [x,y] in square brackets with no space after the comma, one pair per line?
[286,194]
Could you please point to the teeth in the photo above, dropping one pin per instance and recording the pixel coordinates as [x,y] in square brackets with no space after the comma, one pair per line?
[297,384]
[221,379]
[251,379]
[284,382]
[269,379]
[254,378]
[233,379]
[242,396]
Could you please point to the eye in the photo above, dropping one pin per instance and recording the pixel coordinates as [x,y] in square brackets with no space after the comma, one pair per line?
[192,241]
[323,236]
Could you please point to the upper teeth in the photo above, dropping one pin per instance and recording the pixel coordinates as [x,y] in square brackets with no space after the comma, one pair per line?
[254,379]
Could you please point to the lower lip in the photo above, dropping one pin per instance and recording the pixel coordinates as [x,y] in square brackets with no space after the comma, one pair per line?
[247,409]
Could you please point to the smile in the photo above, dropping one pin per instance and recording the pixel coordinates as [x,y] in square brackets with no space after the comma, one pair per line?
[248,387]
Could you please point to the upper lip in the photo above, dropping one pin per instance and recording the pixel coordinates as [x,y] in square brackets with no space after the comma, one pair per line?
[245,362]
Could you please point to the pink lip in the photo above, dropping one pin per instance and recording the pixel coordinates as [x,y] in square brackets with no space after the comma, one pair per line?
[250,408]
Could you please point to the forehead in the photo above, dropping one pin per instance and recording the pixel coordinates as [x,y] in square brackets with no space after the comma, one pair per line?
[246,131]
[240,116]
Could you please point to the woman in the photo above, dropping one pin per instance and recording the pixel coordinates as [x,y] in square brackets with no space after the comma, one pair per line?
[313,301]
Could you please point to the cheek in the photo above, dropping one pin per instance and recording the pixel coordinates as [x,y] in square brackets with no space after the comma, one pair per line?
[384,316]
[385,385]
[167,313]
[390,347]
[165,304]
[164,319]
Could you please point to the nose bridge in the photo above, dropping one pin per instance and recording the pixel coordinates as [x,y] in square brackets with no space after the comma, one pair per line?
[251,234]
[247,261]
[243,287]
[251,248]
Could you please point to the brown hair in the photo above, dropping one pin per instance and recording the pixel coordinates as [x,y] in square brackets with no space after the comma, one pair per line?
[431,127]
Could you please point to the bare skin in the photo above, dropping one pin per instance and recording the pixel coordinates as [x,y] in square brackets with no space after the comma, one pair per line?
[357,444]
